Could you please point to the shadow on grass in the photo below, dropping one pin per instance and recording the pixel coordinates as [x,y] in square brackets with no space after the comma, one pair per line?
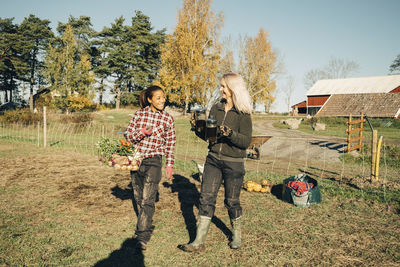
[189,198]
[344,180]
[277,190]
[125,194]
[127,256]
[330,145]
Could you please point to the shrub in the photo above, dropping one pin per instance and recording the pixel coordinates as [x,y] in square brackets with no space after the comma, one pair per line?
[80,103]
[44,100]
[24,116]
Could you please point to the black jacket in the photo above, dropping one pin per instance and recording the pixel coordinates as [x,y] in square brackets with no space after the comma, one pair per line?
[235,145]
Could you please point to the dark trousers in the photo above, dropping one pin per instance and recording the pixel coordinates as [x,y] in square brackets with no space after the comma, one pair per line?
[145,188]
[232,173]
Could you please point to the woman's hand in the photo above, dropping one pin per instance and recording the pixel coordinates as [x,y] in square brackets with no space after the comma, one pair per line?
[147,130]
[168,172]
[192,123]
[225,130]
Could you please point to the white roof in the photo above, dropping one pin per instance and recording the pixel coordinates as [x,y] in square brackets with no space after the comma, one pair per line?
[363,85]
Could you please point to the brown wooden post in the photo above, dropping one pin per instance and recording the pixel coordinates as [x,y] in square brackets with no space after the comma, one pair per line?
[361,131]
[349,135]
[373,153]
[44,128]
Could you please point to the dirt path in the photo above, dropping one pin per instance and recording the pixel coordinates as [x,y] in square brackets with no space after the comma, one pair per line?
[294,144]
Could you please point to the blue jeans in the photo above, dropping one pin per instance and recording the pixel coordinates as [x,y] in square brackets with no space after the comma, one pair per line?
[145,188]
[232,173]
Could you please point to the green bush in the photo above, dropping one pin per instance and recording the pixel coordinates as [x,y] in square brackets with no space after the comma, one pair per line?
[130,98]
[23,116]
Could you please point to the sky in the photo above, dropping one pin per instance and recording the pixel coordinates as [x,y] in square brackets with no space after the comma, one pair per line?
[305,33]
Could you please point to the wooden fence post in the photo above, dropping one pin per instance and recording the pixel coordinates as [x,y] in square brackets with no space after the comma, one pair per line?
[378,157]
[351,130]
[44,128]
[38,133]
[361,132]
[373,153]
[349,135]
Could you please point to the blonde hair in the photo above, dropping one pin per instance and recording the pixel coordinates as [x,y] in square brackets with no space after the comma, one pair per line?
[240,95]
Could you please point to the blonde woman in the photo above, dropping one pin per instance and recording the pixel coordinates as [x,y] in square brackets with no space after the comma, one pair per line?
[225,160]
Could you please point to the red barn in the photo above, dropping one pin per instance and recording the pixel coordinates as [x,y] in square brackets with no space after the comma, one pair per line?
[375,96]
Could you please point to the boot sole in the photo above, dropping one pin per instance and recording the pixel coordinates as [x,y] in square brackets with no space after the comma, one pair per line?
[189,248]
[234,247]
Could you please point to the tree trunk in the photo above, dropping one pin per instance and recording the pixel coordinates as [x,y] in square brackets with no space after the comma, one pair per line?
[186,105]
[32,82]
[118,99]
[101,92]
[11,89]
[31,97]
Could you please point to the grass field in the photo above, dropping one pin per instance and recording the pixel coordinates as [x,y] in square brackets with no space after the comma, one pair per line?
[388,128]
[62,208]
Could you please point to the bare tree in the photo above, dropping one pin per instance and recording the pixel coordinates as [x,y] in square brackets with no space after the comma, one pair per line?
[313,76]
[395,67]
[288,89]
[335,69]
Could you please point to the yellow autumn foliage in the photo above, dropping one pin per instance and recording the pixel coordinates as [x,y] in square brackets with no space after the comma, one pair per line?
[190,55]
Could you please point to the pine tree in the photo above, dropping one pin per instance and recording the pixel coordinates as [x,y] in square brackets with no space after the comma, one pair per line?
[11,64]
[83,31]
[133,54]
[35,35]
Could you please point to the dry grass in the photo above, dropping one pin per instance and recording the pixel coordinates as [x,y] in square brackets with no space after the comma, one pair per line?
[66,209]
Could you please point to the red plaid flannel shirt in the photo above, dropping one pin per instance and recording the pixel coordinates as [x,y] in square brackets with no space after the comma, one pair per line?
[161,141]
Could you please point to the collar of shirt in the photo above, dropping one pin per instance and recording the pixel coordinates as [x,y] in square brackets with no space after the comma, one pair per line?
[148,109]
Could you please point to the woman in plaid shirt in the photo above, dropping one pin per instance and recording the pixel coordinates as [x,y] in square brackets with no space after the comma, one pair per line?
[152,130]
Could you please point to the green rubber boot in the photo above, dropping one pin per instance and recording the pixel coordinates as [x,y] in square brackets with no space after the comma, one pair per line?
[236,233]
[202,230]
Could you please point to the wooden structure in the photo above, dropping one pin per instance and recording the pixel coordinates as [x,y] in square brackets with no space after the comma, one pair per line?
[350,95]
[351,130]
[299,108]
[379,105]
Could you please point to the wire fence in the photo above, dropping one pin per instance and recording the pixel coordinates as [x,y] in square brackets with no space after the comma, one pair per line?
[284,156]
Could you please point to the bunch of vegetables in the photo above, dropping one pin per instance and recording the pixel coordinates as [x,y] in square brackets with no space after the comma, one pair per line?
[106,148]
[264,187]
[120,155]
[125,148]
